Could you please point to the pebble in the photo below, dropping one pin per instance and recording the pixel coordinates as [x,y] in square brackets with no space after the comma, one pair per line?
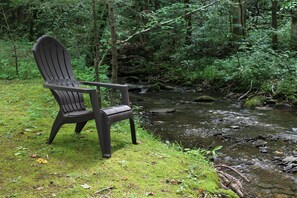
[234,127]
[263,150]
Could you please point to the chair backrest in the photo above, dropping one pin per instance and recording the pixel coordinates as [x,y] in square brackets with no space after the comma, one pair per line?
[53,61]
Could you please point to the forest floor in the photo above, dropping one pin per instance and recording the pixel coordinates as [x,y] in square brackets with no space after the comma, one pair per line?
[73,167]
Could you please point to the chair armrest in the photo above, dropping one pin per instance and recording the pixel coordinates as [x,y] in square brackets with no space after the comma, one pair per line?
[107,85]
[67,88]
[122,88]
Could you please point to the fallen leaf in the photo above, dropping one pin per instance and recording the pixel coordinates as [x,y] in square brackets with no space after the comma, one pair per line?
[124,178]
[85,186]
[201,190]
[42,161]
[278,153]
[173,182]
[34,156]
[150,194]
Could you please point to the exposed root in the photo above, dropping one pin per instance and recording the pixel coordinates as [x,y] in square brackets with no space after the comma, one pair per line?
[244,95]
[229,181]
[221,166]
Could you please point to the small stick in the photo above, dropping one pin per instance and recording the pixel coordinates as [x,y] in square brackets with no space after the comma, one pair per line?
[104,189]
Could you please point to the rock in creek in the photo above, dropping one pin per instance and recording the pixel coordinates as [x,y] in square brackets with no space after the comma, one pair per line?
[263,150]
[259,143]
[264,108]
[162,111]
[289,163]
[204,99]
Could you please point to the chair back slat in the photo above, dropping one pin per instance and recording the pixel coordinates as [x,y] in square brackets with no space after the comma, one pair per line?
[53,61]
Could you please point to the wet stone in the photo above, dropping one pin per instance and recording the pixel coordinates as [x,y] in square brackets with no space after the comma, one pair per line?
[250,163]
[290,159]
[234,127]
[264,108]
[162,111]
[259,143]
[204,99]
[263,150]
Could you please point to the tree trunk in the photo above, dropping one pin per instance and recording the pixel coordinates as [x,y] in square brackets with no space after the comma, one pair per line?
[114,72]
[294,28]
[238,19]
[188,19]
[274,23]
[90,56]
[96,43]
[157,4]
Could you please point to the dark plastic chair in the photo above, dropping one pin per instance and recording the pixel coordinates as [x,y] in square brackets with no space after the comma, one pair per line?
[55,67]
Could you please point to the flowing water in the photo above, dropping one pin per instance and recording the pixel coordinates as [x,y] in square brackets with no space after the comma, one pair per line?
[258,143]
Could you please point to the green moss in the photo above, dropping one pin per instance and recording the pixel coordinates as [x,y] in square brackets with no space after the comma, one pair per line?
[26,116]
[254,102]
[154,88]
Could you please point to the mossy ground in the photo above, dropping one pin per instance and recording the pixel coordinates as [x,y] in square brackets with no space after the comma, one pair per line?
[74,165]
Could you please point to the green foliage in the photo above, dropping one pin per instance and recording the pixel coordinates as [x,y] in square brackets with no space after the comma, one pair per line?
[211,56]
[257,65]
[27,66]
[289,4]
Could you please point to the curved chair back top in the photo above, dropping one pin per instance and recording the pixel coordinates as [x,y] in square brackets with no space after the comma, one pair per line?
[53,61]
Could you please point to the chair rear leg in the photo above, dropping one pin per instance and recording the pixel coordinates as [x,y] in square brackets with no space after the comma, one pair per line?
[55,128]
[79,127]
[133,132]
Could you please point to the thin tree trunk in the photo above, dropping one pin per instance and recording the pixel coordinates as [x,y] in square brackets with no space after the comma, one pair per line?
[114,73]
[239,19]
[274,23]
[188,19]
[96,43]
[294,28]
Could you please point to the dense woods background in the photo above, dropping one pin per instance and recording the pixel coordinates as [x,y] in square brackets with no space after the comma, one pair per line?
[224,45]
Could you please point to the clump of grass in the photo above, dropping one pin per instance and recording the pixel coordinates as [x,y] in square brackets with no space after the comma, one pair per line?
[73,166]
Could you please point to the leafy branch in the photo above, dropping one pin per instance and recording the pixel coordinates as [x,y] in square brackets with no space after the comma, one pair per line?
[162,23]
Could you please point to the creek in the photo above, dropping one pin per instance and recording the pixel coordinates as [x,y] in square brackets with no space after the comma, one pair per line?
[260,144]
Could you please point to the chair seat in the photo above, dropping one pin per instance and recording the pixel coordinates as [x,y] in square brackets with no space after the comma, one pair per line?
[79,113]
[116,110]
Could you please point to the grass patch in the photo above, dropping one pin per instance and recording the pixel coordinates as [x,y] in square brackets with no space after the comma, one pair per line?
[74,166]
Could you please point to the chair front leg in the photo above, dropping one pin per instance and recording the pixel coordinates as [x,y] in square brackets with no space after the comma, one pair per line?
[103,134]
[56,126]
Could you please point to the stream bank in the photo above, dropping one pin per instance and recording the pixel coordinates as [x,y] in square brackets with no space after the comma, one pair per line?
[259,143]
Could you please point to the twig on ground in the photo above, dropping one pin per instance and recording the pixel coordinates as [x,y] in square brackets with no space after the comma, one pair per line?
[104,189]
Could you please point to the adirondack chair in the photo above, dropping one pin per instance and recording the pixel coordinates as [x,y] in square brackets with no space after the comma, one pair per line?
[54,64]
